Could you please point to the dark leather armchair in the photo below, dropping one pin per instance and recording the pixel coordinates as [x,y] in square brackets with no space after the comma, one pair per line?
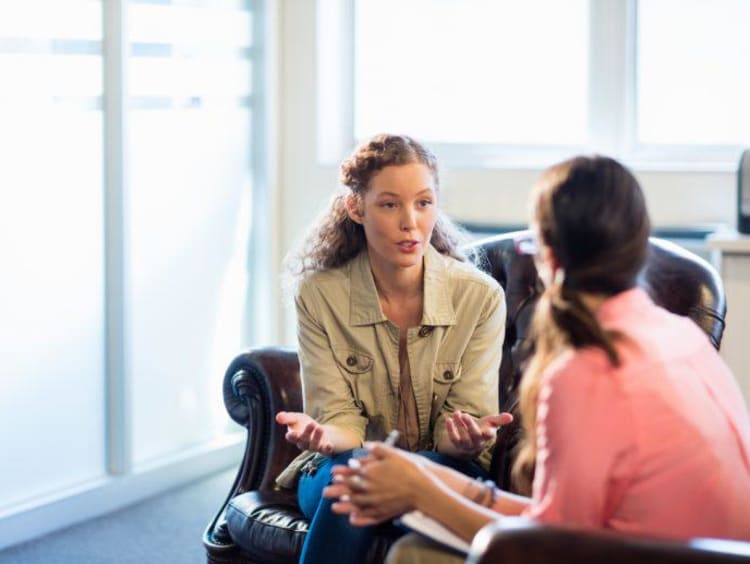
[515,540]
[261,524]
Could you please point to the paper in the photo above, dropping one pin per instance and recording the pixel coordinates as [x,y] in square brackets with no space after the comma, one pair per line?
[427,526]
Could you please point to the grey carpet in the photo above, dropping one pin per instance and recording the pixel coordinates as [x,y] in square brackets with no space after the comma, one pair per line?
[165,529]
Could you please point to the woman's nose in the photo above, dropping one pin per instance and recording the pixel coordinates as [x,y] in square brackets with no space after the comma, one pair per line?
[408,220]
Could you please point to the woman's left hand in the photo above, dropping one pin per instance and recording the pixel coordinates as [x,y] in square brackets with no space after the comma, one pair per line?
[471,436]
[388,483]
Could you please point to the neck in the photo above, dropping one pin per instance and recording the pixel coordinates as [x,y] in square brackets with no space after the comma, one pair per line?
[397,284]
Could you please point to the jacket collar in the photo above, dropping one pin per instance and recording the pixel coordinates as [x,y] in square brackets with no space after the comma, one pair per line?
[364,304]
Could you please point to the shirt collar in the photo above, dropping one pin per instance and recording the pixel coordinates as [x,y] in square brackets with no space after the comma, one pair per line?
[364,304]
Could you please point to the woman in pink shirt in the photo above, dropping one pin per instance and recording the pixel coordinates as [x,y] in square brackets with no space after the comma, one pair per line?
[632,420]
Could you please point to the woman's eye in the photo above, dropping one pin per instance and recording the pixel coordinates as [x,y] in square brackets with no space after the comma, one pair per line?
[389,205]
[425,203]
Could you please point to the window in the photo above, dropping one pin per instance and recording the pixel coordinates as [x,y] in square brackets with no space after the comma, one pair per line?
[693,89]
[52,323]
[189,194]
[504,83]
[473,72]
[126,194]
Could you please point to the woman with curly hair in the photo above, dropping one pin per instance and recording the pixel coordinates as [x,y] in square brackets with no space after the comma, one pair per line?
[396,331]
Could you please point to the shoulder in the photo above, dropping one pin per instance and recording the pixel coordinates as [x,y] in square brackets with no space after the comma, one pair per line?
[321,286]
[464,274]
[321,280]
[577,371]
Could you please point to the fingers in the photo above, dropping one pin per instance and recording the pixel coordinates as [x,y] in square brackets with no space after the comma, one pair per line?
[336,491]
[457,432]
[348,483]
[361,514]
[498,420]
[359,520]
[474,432]
[343,507]
[316,438]
[288,417]
[341,470]
[465,433]
[307,433]
[301,438]
[293,420]
[453,435]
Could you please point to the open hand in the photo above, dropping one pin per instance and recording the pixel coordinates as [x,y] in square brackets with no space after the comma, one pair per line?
[305,432]
[470,435]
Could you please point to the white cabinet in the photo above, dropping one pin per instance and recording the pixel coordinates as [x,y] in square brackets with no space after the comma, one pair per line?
[732,256]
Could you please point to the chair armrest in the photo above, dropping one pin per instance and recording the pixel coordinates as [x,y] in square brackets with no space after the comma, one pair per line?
[257,385]
[514,540]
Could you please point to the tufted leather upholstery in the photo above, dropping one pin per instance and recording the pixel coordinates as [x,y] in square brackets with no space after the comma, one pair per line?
[258,524]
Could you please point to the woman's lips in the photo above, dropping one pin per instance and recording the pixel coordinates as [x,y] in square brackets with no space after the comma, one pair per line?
[408,246]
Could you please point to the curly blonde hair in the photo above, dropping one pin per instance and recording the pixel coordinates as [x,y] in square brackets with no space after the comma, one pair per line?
[335,239]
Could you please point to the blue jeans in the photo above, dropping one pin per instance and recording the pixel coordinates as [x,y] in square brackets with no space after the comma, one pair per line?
[330,537]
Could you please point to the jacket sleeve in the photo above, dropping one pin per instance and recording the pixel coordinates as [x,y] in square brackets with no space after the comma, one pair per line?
[326,395]
[476,392]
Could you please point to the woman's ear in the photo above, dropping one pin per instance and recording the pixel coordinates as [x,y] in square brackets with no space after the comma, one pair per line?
[354,208]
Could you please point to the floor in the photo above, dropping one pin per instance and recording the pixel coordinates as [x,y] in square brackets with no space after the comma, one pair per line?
[165,529]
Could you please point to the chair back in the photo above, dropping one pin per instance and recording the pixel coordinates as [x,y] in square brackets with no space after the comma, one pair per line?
[673,277]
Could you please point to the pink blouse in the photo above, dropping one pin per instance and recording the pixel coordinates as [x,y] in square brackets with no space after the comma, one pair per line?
[659,445]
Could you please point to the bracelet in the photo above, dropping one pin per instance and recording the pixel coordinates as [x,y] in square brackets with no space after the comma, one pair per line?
[492,490]
[479,495]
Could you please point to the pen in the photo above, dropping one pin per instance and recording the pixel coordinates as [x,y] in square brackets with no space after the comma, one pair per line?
[392,438]
[390,441]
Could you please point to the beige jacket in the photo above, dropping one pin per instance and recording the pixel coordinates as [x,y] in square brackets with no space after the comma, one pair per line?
[348,351]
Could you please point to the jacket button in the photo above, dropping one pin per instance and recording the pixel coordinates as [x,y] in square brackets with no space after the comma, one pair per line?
[448,375]
[351,360]
[424,331]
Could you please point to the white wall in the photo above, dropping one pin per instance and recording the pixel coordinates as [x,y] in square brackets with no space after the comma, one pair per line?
[481,195]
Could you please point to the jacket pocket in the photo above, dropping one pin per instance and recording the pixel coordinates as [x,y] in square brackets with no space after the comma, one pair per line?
[351,360]
[356,368]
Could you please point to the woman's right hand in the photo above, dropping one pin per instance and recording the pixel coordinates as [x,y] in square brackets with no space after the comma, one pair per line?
[388,482]
[305,432]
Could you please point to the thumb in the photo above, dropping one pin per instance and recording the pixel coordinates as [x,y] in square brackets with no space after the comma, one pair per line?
[286,417]
[499,419]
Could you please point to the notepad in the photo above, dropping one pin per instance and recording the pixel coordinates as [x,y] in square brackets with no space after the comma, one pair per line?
[428,527]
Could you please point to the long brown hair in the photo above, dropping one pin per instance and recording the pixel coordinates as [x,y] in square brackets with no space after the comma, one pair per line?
[335,239]
[590,211]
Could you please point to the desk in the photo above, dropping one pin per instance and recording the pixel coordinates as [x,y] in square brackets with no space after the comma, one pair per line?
[731,252]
